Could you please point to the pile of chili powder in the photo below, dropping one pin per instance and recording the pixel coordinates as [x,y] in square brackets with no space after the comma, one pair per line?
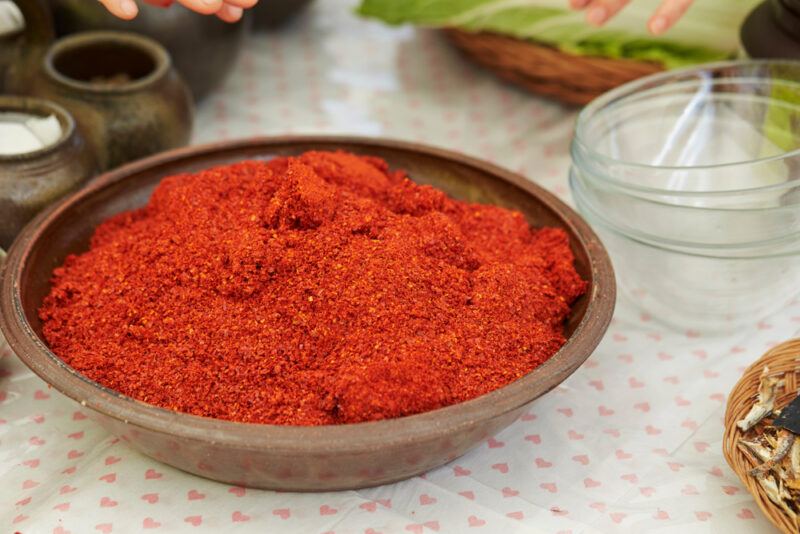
[318,289]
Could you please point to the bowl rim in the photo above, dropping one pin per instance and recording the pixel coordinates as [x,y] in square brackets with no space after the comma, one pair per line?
[597,220]
[580,193]
[325,439]
[634,193]
[659,81]
[162,61]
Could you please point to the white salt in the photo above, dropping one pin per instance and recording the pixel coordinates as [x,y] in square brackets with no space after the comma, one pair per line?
[11,20]
[46,129]
[20,134]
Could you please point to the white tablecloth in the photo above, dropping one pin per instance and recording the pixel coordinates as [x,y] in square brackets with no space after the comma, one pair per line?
[630,443]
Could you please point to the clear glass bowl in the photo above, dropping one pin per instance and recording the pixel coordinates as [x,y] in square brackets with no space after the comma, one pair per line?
[692,179]
[721,135]
[678,225]
[694,286]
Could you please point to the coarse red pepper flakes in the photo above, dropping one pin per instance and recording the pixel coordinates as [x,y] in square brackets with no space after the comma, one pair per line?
[310,290]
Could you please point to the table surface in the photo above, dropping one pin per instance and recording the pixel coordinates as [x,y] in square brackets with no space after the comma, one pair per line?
[630,443]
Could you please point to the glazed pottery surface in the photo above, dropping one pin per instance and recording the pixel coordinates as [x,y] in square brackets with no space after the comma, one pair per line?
[290,457]
[275,13]
[20,52]
[33,180]
[204,49]
[123,92]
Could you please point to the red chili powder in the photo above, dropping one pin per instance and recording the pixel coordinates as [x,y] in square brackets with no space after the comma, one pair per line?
[310,290]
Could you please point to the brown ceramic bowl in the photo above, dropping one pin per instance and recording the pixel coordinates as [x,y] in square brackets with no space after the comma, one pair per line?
[286,457]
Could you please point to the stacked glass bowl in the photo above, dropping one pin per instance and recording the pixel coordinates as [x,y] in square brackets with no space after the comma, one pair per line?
[692,180]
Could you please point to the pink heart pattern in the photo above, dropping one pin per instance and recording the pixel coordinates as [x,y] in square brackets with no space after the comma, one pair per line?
[152,474]
[703,515]
[194,520]
[239,517]
[636,428]
[426,499]
[475,521]
[283,513]
[150,523]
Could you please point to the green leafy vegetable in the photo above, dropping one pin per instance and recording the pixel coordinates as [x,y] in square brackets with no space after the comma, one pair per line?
[709,31]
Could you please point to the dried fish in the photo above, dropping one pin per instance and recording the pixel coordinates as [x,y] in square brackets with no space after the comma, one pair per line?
[774,446]
[779,495]
[783,493]
[770,439]
[792,484]
[785,442]
[794,461]
[761,452]
[765,404]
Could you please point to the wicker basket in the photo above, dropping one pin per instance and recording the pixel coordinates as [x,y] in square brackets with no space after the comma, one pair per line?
[544,70]
[784,361]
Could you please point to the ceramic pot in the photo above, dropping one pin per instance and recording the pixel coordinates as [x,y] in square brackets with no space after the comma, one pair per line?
[32,180]
[203,48]
[21,51]
[772,30]
[123,92]
[269,14]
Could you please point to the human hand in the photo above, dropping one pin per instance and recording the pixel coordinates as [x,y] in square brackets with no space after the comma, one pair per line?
[227,10]
[599,11]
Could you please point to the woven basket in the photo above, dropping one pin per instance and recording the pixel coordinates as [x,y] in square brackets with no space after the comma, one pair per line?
[783,361]
[544,70]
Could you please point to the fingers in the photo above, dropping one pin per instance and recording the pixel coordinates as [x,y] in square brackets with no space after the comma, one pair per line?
[244,4]
[227,10]
[124,9]
[207,7]
[667,14]
[599,11]
[230,13]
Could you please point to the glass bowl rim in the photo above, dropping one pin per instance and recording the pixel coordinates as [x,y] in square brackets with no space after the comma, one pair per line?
[662,80]
[615,188]
[589,212]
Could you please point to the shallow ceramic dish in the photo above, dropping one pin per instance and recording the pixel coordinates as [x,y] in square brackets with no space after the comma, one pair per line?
[284,457]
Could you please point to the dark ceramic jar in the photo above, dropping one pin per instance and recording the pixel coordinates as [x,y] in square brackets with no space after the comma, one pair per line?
[123,92]
[204,49]
[30,181]
[772,30]
[268,14]
[21,51]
